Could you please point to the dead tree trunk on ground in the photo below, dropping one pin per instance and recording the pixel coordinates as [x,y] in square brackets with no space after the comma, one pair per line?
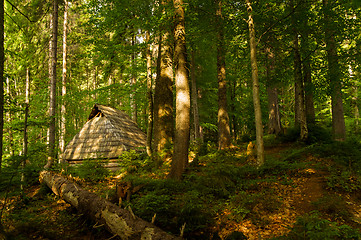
[118,221]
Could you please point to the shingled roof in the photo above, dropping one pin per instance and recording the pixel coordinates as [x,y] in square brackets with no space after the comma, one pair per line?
[107,133]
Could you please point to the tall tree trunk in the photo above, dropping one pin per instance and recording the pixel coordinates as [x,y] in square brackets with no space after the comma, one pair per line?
[255,87]
[149,97]
[194,97]
[163,93]
[224,133]
[64,80]
[334,75]
[52,99]
[300,112]
[274,116]
[25,140]
[181,136]
[310,108]
[300,116]
[2,60]
[9,118]
[133,104]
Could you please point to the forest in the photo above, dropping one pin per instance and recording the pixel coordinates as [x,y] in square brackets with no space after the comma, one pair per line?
[246,112]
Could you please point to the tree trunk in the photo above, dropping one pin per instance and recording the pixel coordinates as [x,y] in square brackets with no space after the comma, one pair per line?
[224,133]
[149,97]
[2,60]
[274,116]
[334,76]
[118,221]
[133,104]
[255,87]
[194,96]
[64,80]
[300,116]
[310,108]
[25,140]
[181,136]
[300,112]
[163,96]
[52,99]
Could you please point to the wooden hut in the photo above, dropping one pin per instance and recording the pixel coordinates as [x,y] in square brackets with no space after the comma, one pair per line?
[107,133]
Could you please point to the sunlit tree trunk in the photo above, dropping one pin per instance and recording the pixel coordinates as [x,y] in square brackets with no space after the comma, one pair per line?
[181,136]
[133,104]
[255,87]
[2,59]
[64,80]
[224,133]
[163,93]
[149,97]
[25,140]
[334,75]
[52,77]
[9,118]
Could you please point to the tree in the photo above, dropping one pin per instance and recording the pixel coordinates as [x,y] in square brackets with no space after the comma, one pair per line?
[64,80]
[255,87]
[52,86]
[181,136]
[224,133]
[274,118]
[149,96]
[163,92]
[334,74]
[300,112]
[2,60]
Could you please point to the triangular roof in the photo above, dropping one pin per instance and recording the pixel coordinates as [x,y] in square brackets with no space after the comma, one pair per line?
[107,133]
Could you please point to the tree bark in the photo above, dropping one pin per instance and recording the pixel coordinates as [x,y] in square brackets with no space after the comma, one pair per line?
[255,87]
[300,113]
[194,100]
[2,60]
[181,136]
[64,80]
[334,75]
[52,99]
[133,104]
[224,133]
[274,116]
[308,85]
[149,97]
[25,140]
[163,93]
[118,221]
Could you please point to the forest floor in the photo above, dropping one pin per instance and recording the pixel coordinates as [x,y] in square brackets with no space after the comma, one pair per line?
[311,190]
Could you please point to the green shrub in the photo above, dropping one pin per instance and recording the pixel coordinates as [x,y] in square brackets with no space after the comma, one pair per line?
[344,181]
[312,227]
[318,134]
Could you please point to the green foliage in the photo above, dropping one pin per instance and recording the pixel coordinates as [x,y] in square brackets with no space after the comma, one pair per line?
[344,181]
[91,170]
[347,153]
[318,134]
[312,227]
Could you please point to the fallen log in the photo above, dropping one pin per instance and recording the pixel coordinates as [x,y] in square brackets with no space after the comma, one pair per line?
[118,221]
